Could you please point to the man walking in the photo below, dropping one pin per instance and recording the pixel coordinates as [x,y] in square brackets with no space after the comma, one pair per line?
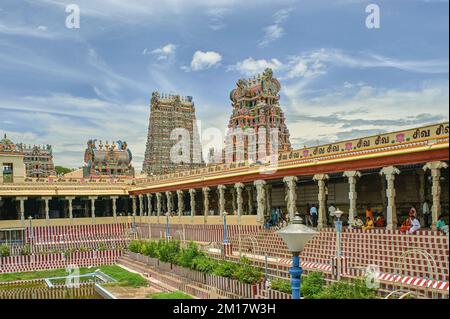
[313,213]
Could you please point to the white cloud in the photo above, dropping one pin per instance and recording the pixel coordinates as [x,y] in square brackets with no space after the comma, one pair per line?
[369,60]
[162,53]
[67,122]
[251,66]
[311,64]
[204,60]
[367,109]
[275,30]
[28,31]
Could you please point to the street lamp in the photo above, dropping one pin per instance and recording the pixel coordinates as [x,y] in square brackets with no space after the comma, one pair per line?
[296,235]
[338,213]
[225,233]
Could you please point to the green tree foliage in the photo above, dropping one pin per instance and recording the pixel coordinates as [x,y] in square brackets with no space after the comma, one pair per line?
[62,170]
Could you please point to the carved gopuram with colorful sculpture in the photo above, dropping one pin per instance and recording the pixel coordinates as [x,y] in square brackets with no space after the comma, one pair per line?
[39,161]
[171,116]
[256,115]
[108,160]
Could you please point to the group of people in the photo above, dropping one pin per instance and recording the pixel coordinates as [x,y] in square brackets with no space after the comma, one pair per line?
[373,219]
[277,218]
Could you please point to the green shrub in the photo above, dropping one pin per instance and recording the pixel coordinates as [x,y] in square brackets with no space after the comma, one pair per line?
[312,284]
[188,254]
[226,269]
[281,285]
[347,290]
[248,274]
[102,247]
[135,246]
[149,248]
[25,250]
[168,250]
[204,264]
[4,250]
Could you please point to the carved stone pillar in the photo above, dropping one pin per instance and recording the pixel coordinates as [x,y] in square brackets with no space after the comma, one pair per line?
[221,190]
[239,200]
[250,199]
[233,200]
[352,194]
[205,203]
[149,205]
[180,197]
[435,168]
[141,207]
[22,209]
[391,210]
[291,195]
[260,200]
[46,208]
[192,198]
[322,215]
[158,205]
[268,189]
[70,201]
[114,206]
[93,198]
[133,205]
[169,202]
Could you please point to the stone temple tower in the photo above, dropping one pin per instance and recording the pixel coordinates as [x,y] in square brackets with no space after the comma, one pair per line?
[170,116]
[257,113]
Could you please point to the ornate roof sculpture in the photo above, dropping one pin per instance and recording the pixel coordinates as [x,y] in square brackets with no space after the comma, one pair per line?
[7,146]
[39,160]
[107,159]
[255,104]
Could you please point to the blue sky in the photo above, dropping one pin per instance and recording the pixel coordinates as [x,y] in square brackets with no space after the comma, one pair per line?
[339,79]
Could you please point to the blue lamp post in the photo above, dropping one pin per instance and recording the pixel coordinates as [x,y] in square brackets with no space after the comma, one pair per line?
[296,235]
[225,232]
[338,213]
[30,218]
[167,226]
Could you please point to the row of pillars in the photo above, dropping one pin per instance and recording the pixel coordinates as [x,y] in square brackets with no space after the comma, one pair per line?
[263,198]
[70,199]
[264,205]
[389,172]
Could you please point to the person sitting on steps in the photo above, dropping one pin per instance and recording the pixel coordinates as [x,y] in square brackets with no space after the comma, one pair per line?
[369,224]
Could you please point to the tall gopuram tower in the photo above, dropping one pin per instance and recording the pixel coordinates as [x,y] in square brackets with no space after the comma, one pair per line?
[256,113]
[172,119]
